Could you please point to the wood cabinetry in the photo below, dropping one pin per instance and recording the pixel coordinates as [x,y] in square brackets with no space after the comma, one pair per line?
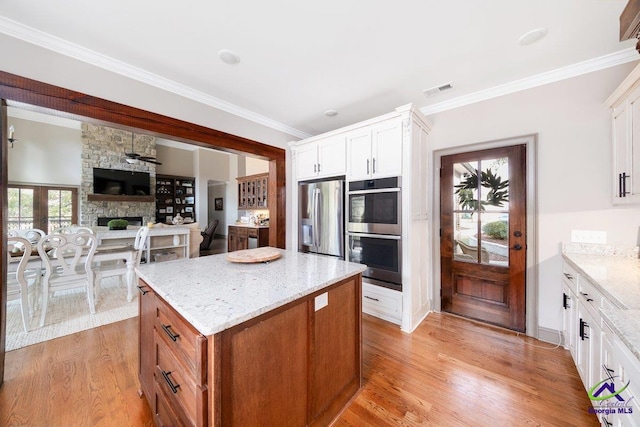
[173,363]
[375,151]
[239,237]
[322,158]
[299,364]
[253,191]
[175,194]
[625,104]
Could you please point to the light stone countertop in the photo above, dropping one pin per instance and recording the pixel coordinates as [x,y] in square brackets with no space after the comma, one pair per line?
[214,294]
[241,224]
[616,274]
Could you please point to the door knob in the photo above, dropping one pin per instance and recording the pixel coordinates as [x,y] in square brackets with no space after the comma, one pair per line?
[517,233]
[517,247]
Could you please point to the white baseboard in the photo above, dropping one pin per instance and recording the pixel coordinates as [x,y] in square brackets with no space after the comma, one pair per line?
[552,336]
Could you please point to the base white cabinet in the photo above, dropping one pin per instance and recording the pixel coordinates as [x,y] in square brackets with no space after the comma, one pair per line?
[604,362]
[382,302]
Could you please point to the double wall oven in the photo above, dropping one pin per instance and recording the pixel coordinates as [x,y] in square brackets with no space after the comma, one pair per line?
[374,229]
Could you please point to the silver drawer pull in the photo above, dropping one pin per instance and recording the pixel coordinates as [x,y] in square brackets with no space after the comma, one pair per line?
[371,298]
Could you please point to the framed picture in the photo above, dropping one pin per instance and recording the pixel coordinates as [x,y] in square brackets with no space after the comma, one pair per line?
[188,209]
[169,209]
[162,211]
[189,190]
[218,203]
[189,200]
[169,220]
[177,200]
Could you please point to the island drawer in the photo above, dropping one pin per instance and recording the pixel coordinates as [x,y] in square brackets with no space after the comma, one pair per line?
[177,387]
[184,341]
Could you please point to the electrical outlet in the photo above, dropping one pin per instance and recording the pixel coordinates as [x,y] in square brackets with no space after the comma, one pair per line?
[587,236]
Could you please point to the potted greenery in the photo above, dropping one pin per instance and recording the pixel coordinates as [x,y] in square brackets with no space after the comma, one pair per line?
[118,224]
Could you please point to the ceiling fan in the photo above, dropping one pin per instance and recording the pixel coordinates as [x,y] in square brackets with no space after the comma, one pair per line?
[134,157]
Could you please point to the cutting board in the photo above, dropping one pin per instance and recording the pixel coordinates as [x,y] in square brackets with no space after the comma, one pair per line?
[248,256]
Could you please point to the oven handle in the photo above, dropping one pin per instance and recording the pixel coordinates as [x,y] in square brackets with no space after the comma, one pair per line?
[376,236]
[377,190]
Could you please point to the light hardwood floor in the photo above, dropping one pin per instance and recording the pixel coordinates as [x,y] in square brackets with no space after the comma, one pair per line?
[449,372]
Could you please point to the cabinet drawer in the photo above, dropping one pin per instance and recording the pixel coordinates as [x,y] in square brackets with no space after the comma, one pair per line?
[590,296]
[252,232]
[570,277]
[165,415]
[382,302]
[188,346]
[178,387]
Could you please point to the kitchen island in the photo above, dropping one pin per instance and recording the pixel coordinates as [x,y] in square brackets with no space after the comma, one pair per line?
[275,343]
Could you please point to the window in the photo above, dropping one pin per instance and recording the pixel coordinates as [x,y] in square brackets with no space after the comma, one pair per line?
[46,208]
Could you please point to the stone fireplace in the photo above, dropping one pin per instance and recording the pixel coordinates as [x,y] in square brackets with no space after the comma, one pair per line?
[104,147]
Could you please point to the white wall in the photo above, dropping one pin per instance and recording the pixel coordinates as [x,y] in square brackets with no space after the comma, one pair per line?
[255,166]
[27,60]
[574,164]
[210,166]
[44,154]
[215,191]
[175,161]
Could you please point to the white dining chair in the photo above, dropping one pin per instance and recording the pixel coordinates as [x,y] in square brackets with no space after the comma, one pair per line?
[67,260]
[102,270]
[73,229]
[33,235]
[22,280]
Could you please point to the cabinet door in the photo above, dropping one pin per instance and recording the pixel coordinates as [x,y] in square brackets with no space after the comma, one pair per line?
[231,239]
[307,161]
[359,154]
[242,238]
[584,344]
[332,156]
[633,150]
[335,359]
[570,329]
[147,319]
[264,371]
[387,149]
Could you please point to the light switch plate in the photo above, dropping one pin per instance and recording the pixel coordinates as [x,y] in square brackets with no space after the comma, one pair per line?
[322,301]
[588,236]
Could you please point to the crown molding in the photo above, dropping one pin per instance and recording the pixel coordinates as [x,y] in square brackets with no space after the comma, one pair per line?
[602,62]
[72,50]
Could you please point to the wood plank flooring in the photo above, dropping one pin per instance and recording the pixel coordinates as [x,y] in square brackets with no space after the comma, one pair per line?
[449,372]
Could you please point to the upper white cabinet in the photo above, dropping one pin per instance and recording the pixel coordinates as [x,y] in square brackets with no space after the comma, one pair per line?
[375,151]
[322,158]
[625,104]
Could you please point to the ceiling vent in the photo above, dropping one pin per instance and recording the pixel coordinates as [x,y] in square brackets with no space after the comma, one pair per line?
[437,89]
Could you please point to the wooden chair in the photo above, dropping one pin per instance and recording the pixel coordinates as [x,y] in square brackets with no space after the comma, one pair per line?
[22,281]
[472,252]
[207,234]
[119,268]
[67,260]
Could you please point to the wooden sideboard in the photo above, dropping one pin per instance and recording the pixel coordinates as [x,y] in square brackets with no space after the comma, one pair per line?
[238,237]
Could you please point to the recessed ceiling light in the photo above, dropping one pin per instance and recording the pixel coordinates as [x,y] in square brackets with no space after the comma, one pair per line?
[532,36]
[331,113]
[228,56]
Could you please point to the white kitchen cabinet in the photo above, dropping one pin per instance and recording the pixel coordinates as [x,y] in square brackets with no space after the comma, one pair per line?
[375,151]
[570,307]
[321,158]
[382,302]
[625,104]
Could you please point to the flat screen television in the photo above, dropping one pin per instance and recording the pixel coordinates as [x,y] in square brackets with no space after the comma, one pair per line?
[121,182]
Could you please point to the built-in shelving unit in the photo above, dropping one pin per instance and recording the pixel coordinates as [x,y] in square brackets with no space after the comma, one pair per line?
[252,191]
[175,194]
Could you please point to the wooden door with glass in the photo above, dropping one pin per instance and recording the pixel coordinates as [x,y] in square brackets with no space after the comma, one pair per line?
[483,235]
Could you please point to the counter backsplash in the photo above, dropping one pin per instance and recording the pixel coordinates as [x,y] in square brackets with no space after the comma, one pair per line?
[622,251]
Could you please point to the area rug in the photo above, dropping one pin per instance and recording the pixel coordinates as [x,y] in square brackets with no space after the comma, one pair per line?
[68,313]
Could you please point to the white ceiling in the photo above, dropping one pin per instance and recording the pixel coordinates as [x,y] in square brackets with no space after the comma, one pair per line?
[300,58]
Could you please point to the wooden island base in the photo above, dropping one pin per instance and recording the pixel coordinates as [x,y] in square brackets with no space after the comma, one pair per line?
[297,365]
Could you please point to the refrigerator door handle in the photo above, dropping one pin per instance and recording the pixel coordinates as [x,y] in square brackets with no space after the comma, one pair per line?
[316,216]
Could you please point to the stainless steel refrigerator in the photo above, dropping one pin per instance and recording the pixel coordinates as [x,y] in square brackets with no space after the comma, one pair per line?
[321,217]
